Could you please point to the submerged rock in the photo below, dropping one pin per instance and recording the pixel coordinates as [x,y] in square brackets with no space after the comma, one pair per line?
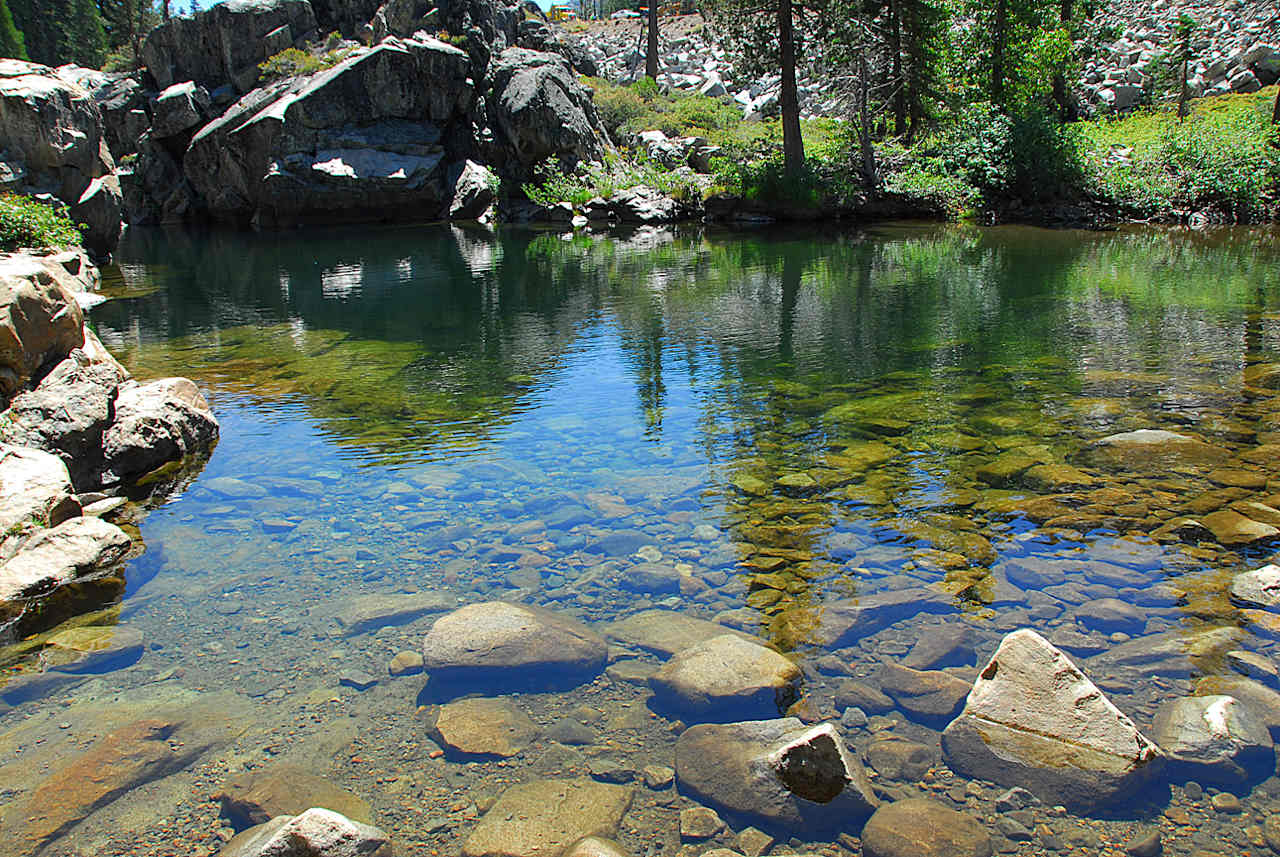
[846,621]
[923,828]
[666,632]
[543,819]
[1214,738]
[256,797]
[929,696]
[1034,720]
[779,773]
[1152,451]
[505,643]
[484,728]
[315,833]
[727,678]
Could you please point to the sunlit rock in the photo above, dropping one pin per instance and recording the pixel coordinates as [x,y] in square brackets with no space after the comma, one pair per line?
[1034,720]
[726,678]
[779,773]
[314,833]
[545,818]
[1214,738]
[919,827]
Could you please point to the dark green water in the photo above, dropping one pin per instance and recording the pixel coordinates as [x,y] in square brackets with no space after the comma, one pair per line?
[778,419]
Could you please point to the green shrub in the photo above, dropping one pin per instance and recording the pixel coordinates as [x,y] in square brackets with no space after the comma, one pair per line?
[294,62]
[26,223]
[555,185]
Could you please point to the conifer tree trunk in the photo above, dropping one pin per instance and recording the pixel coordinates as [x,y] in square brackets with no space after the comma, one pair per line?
[998,37]
[651,53]
[1275,112]
[899,82]
[792,143]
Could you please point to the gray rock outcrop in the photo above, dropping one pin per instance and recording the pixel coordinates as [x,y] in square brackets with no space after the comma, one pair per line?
[541,109]
[362,140]
[779,773]
[224,44]
[40,320]
[1033,719]
[54,143]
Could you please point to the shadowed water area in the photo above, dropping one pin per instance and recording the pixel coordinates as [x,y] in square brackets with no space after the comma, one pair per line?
[762,430]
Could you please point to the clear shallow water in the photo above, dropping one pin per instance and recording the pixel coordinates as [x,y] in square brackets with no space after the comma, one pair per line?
[778,419]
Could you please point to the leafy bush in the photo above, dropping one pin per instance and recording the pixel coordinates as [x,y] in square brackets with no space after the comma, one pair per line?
[26,223]
[555,185]
[641,106]
[1223,158]
[294,62]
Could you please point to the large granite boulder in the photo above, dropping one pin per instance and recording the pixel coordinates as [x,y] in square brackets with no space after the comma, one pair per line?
[123,102]
[726,678]
[505,644]
[66,414]
[778,773]
[52,141]
[224,44]
[541,109]
[51,559]
[363,140]
[35,490]
[1214,738]
[155,423]
[156,192]
[40,321]
[1033,719]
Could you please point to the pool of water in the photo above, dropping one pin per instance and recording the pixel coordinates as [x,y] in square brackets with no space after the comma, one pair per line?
[740,427]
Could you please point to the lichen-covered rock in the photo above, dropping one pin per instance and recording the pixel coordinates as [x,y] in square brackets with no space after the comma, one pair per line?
[224,44]
[360,141]
[53,137]
[1033,719]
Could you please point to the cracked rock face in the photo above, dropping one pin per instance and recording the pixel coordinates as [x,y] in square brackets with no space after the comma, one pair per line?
[1033,719]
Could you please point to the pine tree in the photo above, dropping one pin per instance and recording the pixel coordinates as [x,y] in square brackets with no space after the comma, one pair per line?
[83,40]
[11,41]
[40,22]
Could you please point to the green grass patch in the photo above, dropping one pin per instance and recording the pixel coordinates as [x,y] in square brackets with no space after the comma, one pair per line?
[28,224]
[294,62]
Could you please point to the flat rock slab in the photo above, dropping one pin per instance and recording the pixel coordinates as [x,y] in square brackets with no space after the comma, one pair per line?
[256,797]
[484,728]
[371,612]
[779,773]
[96,648]
[923,828]
[1153,451]
[514,644]
[543,819]
[928,696]
[666,632]
[1231,529]
[1034,720]
[848,620]
[727,678]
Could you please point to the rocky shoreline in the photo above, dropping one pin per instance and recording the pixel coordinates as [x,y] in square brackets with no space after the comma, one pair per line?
[78,438]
